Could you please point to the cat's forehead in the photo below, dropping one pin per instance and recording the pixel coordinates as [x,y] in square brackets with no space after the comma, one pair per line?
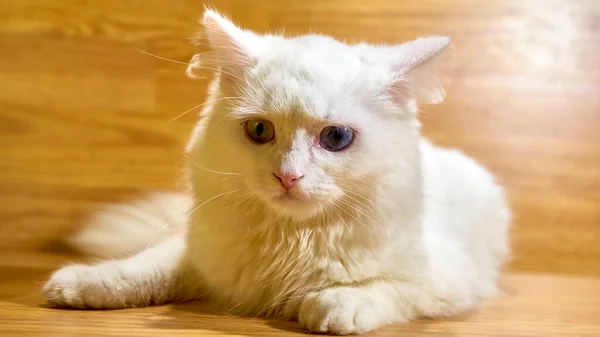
[313,57]
[309,75]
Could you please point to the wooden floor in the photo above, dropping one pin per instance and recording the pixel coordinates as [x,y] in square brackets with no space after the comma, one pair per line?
[535,305]
[85,118]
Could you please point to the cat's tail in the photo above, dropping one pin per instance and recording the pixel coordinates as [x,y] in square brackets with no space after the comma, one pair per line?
[121,230]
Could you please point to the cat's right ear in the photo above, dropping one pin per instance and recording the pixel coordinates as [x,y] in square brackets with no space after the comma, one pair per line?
[421,67]
[230,48]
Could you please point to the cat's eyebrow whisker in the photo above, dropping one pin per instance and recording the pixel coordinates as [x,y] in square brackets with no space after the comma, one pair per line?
[220,71]
[185,112]
[209,170]
[199,106]
[220,119]
[160,57]
[188,64]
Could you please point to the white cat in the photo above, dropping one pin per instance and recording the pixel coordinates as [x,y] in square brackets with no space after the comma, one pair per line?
[313,196]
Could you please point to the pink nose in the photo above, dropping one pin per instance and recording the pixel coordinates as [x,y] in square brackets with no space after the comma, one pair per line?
[288,180]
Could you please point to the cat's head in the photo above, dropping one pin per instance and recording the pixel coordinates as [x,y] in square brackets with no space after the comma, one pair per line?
[308,122]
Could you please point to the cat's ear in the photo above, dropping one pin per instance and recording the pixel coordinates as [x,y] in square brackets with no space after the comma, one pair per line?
[230,47]
[420,69]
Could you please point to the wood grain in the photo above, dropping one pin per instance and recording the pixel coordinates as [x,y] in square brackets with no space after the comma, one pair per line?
[84,119]
[534,305]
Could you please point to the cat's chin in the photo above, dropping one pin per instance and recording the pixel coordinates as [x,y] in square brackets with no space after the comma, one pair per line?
[294,207]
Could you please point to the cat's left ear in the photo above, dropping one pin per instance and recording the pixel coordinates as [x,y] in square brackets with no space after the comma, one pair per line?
[231,47]
[420,69]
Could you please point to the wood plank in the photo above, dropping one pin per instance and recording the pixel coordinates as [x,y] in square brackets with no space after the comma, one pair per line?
[534,305]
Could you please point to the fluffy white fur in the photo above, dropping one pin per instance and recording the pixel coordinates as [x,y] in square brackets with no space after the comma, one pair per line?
[388,230]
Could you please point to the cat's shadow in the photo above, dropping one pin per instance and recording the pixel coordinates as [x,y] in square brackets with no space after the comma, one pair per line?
[207,319]
[205,316]
[25,285]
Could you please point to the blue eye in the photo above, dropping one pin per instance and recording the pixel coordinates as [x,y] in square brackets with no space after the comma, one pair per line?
[336,138]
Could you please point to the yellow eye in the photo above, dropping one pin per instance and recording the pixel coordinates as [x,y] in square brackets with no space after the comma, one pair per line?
[260,130]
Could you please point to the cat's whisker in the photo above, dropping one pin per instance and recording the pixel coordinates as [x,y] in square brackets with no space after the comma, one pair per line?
[158,231]
[248,202]
[358,202]
[166,225]
[244,196]
[246,206]
[329,216]
[229,178]
[207,201]
[348,229]
[357,220]
[322,212]
[367,208]
[364,205]
[358,210]
[163,227]
[209,170]
[335,209]
[348,190]
[160,57]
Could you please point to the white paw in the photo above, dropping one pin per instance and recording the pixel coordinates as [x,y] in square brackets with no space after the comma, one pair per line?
[81,286]
[341,311]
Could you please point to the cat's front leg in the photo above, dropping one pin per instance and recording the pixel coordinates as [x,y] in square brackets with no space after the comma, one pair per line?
[157,275]
[343,311]
[359,309]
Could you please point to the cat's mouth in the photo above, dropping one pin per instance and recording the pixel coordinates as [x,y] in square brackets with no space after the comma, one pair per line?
[288,196]
[294,203]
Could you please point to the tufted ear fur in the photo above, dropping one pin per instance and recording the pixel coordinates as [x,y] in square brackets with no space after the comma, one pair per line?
[419,68]
[231,47]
